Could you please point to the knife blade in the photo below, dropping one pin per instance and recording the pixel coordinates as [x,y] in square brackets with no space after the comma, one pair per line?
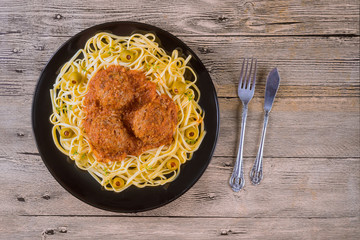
[272,85]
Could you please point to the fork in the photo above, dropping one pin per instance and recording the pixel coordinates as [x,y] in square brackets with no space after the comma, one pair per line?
[245,92]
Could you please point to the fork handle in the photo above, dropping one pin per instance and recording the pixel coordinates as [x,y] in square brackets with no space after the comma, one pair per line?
[256,173]
[237,180]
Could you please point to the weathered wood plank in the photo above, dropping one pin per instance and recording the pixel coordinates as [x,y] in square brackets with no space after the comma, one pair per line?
[298,127]
[301,127]
[195,228]
[291,188]
[185,17]
[308,66]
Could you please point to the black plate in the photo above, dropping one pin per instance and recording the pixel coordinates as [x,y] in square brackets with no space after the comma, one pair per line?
[80,183]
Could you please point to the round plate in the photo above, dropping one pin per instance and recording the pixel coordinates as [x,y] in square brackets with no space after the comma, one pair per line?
[80,183]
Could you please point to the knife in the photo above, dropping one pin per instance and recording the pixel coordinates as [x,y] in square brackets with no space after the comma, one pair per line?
[272,85]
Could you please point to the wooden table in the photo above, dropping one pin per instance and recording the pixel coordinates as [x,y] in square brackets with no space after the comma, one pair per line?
[311,185]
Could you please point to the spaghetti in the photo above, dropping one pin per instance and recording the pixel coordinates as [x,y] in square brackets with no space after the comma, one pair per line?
[172,76]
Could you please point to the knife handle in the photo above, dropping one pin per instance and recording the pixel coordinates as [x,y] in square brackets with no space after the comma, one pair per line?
[256,173]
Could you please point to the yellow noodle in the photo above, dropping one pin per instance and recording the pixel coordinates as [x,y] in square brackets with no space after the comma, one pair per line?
[150,168]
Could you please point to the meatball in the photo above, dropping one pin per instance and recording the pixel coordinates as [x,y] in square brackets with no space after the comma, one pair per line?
[109,138]
[111,89]
[155,122]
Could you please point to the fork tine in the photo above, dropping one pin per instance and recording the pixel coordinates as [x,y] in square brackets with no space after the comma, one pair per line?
[241,74]
[254,76]
[245,73]
[249,80]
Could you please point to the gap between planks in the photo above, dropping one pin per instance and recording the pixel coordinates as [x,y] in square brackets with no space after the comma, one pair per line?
[180,217]
[345,35]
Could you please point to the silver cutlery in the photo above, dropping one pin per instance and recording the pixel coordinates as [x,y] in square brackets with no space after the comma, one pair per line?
[272,85]
[246,90]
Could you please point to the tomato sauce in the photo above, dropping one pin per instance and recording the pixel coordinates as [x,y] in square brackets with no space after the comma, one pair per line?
[125,115]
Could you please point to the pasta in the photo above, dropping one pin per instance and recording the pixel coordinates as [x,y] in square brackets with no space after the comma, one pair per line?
[172,77]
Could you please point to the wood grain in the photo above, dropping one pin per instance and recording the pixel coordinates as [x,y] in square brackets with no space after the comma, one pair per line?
[54,227]
[308,66]
[291,188]
[206,17]
[311,185]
